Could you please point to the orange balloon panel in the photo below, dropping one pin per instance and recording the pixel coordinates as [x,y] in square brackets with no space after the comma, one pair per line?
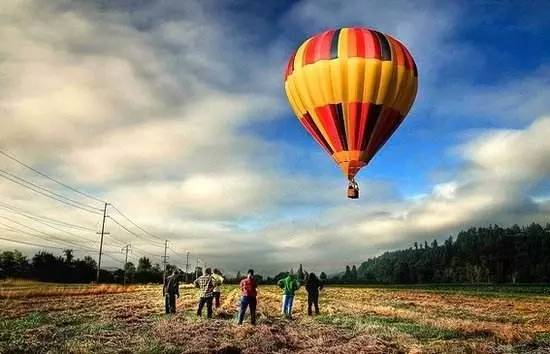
[351,88]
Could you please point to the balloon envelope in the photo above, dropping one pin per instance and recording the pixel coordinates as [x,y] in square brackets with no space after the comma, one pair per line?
[351,88]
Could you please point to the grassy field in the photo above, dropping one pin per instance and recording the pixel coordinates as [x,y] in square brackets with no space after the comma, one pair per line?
[54,318]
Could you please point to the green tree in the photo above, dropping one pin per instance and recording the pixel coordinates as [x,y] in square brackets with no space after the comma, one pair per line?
[68,256]
[13,264]
[353,275]
[130,270]
[347,274]
[144,265]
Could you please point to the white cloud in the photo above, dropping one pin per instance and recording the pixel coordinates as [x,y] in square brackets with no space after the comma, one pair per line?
[149,107]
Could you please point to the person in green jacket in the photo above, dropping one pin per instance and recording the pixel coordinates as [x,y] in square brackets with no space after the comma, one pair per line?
[289,286]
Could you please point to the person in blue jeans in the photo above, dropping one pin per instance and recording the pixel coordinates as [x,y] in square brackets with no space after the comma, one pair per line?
[289,286]
[248,297]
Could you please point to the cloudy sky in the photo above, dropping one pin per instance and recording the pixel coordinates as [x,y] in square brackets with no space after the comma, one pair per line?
[174,112]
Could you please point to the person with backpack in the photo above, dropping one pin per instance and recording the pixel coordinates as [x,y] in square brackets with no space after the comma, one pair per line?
[206,283]
[313,286]
[289,286]
[248,297]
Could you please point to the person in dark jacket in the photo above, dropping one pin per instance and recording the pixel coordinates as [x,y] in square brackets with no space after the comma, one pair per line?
[313,286]
[248,297]
[170,291]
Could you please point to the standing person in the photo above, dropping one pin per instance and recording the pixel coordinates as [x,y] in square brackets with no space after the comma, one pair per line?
[206,283]
[218,277]
[313,286]
[248,297]
[170,291]
[289,286]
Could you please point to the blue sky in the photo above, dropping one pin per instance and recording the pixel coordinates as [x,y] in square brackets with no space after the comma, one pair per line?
[176,113]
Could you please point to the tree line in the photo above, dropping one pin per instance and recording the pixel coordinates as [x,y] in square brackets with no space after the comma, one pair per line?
[478,255]
[45,266]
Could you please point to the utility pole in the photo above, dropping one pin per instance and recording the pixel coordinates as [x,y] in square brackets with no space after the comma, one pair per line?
[101,242]
[187,268]
[197,268]
[125,261]
[164,258]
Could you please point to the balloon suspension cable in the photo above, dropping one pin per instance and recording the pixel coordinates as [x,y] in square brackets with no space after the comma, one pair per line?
[353,189]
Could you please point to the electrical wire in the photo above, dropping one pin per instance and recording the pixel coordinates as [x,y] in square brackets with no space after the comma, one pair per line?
[58,229]
[51,196]
[37,245]
[136,225]
[50,178]
[135,234]
[57,222]
[67,242]
[47,190]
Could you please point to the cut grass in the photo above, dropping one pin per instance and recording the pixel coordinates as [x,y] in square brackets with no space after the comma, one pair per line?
[419,331]
[484,290]
[65,290]
[353,320]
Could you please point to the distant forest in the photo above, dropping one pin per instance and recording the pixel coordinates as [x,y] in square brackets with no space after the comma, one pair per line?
[478,255]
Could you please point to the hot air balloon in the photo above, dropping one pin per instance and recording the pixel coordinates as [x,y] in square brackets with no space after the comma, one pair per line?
[351,88]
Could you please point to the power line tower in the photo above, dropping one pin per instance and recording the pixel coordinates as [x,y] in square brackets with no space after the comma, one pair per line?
[164,261]
[127,247]
[101,241]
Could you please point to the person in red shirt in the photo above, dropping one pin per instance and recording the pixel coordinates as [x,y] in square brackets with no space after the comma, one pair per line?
[248,297]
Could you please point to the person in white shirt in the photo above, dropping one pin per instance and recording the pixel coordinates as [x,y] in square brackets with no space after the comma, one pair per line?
[218,277]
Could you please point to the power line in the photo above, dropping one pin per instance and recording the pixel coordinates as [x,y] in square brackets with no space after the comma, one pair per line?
[54,227]
[41,232]
[112,257]
[68,201]
[61,241]
[143,253]
[136,225]
[178,255]
[36,230]
[51,196]
[133,233]
[119,242]
[47,190]
[57,222]
[51,178]
[38,245]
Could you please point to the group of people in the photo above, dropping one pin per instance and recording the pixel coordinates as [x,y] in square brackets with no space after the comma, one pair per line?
[210,283]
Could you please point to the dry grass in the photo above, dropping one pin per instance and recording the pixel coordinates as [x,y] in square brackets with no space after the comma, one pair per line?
[88,319]
[16,288]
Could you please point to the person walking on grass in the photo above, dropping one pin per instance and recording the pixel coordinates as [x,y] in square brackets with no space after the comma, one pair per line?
[217,289]
[313,286]
[289,286]
[248,297]
[206,283]
[170,291]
